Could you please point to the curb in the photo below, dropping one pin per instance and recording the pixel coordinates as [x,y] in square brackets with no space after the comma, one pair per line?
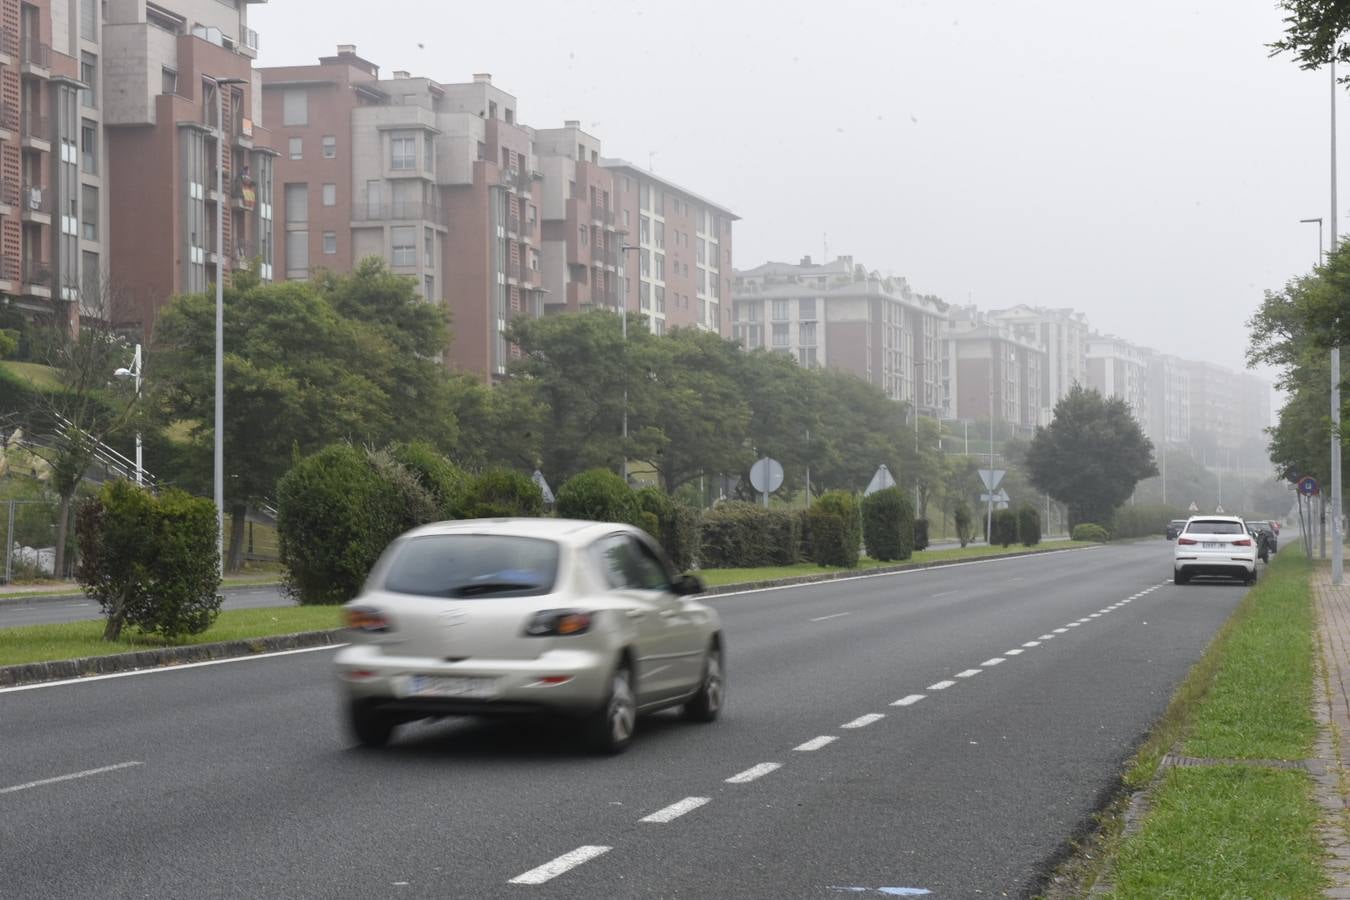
[62,669]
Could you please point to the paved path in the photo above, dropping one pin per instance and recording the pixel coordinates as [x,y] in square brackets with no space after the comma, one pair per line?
[1333,616]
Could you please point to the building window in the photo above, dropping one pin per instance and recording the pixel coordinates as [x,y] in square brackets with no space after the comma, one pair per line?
[702,252]
[89,20]
[90,286]
[88,212]
[660,299]
[329,146]
[89,146]
[780,334]
[661,235]
[330,242]
[297,147]
[89,75]
[168,81]
[330,195]
[658,327]
[660,267]
[806,334]
[297,255]
[645,263]
[428,286]
[780,310]
[402,153]
[644,295]
[806,357]
[644,230]
[295,107]
[806,308]
[405,245]
[297,203]
[626,220]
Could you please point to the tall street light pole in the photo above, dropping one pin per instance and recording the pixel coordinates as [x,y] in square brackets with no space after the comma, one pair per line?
[135,372]
[1337,549]
[1320,245]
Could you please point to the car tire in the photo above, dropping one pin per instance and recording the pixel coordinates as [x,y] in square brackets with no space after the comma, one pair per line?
[1250,579]
[706,704]
[1179,578]
[370,726]
[612,725]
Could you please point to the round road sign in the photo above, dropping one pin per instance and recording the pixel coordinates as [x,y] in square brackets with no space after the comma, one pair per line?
[1308,486]
[766,475]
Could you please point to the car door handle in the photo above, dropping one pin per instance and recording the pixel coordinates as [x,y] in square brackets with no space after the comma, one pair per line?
[636,613]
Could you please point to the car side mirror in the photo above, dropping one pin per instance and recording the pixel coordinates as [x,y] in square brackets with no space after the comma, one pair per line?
[688,585]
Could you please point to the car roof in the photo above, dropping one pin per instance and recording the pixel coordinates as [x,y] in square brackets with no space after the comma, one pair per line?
[565,531]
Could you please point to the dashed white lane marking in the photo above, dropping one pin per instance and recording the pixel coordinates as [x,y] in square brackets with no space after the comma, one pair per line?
[553,868]
[909,700]
[816,743]
[753,772]
[1061,631]
[1095,616]
[941,685]
[1072,624]
[1045,637]
[969,673]
[942,594]
[832,616]
[864,721]
[993,662]
[675,810]
[71,777]
[1014,652]
[1083,620]
[1032,644]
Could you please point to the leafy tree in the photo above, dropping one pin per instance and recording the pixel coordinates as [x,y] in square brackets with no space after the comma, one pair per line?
[888,525]
[1313,30]
[965,529]
[1091,455]
[598,495]
[861,428]
[784,423]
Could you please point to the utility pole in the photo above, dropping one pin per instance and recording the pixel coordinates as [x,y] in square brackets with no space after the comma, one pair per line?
[1337,549]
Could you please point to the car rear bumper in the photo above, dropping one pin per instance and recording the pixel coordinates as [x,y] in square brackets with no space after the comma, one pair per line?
[1213,564]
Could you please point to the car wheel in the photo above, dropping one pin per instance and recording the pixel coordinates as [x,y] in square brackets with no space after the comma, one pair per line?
[1179,578]
[706,705]
[368,725]
[612,725]
[1251,578]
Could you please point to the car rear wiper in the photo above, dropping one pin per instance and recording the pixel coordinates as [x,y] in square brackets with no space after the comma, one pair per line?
[491,587]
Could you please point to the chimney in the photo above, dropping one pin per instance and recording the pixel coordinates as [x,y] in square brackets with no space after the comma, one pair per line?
[401,74]
[572,123]
[806,261]
[482,78]
[346,49]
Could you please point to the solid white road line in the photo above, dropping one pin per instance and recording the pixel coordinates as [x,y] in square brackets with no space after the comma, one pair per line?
[909,700]
[753,772]
[993,662]
[556,867]
[71,777]
[160,670]
[941,685]
[969,673]
[675,810]
[816,743]
[832,616]
[864,721]
[1014,652]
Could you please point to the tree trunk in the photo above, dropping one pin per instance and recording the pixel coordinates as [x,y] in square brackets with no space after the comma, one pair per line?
[235,557]
[63,518]
[116,617]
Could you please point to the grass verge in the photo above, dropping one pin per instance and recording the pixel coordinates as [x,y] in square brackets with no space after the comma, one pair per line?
[1233,830]
[70,640]
[719,577]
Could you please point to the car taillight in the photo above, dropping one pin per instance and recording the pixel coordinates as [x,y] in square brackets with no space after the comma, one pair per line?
[365,618]
[558,622]
[1243,542]
[1185,541]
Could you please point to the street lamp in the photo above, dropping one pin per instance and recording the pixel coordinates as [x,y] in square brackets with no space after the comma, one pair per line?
[124,374]
[218,473]
[1320,251]
[623,319]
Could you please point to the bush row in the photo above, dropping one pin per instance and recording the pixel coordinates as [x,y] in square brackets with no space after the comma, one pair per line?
[1149,520]
[1013,526]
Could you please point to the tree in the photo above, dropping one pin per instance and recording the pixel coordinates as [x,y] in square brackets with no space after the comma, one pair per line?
[1312,31]
[1091,455]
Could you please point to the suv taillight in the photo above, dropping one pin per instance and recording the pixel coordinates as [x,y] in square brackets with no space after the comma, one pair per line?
[365,618]
[1242,542]
[1185,540]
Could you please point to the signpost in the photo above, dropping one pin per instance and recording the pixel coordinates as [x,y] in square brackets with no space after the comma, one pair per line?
[766,476]
[1308,486]
[991,477]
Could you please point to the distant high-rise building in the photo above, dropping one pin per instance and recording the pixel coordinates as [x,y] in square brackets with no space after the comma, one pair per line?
[1117,368]
[993,370]
[1169,400]
[1064,335]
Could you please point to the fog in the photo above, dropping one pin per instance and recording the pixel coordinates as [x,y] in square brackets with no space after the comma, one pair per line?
[1146,163]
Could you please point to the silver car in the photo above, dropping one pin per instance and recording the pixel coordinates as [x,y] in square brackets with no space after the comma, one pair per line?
[519,616]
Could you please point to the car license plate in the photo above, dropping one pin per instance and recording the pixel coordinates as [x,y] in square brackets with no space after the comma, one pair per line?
[451,686]
[1212,545]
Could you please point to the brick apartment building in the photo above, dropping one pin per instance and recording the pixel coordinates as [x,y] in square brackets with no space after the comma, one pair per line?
[1117,368]
[1063,333]
[991,368]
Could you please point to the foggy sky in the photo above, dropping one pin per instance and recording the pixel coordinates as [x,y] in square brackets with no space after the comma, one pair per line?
[1144,162]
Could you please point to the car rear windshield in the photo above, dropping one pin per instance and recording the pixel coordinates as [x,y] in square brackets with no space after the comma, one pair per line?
[1207,526]
[470,565]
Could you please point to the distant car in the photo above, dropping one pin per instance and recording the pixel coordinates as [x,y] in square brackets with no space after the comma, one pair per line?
[1214,545]
[519,616]
[1267,541]
[1174,528]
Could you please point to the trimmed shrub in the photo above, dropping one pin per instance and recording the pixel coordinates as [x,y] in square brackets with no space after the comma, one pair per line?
[1004,528]
[920,534]
[1149,520]
[502,493]
[836,529]
[965,529]
[149,561]
[1028,526]
[601,496]
[1090,532]
[738,535]
[446,482]
[678,525]
[885,515]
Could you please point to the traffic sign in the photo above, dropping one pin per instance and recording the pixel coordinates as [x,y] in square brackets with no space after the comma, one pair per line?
[1192,507]
[538,478]
[1308,486]
[1218,509]
[880,481]
[766,475]
[1000,497]
[992,478]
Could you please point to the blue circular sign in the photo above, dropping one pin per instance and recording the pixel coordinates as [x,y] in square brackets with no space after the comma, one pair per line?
[1308,487]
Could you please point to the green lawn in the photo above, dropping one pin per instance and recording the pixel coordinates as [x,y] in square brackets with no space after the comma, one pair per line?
[38,375]
[719,577]
[69,640]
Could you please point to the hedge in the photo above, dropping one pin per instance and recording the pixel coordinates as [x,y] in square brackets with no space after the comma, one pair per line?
[736,534]
[1149,520]
[1090,532]
[502,493]
[888,525]
[965,528]
[1004,528]
[678,526]
[1028,526]
[446,482]
[836,529]
[599,495]
[920,534]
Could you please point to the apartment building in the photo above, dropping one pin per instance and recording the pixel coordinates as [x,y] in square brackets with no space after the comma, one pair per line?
[1169,400]
[684,248]
[990,368]
[1117,368]
[185,146]
[1064,334]
[582,257]
[839,315]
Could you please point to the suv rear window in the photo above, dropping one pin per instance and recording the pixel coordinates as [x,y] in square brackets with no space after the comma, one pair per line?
[468,565]
[1209,526]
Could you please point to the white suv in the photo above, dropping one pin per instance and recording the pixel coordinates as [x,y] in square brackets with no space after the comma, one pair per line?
[1214,545]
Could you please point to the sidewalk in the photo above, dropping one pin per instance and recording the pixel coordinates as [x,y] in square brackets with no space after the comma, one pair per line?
[1333,714]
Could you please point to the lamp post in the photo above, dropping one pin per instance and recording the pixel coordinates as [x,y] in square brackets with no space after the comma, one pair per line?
[1337,549]
[218,468]
[1320,245]
[135,372]
[623,319]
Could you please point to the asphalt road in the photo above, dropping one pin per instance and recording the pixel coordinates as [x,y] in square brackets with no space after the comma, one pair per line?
[1024,685]
[76,607]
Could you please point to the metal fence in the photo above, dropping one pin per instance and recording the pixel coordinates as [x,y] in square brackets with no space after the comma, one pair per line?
[29,527]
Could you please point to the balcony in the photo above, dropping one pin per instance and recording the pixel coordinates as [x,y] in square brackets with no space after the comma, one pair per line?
[36,58]
[516,180]
[415,210]
[513,224]
[602,216]
[248,40]
[35,204]
[35,132]
[36,275]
